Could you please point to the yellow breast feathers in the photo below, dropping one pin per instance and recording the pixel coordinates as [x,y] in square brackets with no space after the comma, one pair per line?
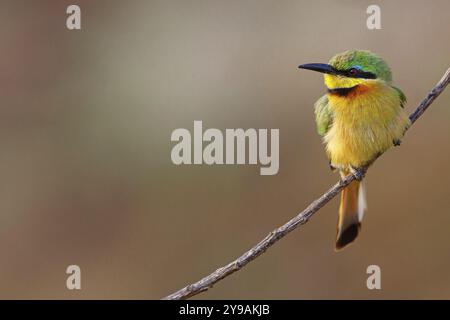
[367,121]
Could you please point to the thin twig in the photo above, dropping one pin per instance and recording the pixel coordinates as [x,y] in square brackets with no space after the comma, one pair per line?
[303,217]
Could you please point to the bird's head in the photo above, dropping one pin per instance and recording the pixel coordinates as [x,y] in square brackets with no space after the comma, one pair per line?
[352,68]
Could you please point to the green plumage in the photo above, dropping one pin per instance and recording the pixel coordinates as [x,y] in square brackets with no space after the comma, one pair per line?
[402,96]
[364,59]
[324,115]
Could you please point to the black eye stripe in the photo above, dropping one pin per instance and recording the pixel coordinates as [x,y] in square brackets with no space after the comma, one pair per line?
[358,74]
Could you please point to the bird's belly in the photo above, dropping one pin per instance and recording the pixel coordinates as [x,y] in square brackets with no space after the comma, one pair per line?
[355,147]
[355,139]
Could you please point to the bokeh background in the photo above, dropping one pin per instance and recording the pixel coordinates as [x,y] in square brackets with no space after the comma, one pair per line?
[86,175]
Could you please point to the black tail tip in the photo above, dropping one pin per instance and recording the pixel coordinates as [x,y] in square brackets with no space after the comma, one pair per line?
[347,236]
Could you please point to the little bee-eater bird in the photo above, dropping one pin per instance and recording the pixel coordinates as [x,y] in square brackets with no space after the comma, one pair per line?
[359,118]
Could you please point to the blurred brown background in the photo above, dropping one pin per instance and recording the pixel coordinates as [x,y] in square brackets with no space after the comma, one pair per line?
[86,175]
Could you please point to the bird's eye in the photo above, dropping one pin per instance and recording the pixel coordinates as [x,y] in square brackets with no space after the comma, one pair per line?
[353,71]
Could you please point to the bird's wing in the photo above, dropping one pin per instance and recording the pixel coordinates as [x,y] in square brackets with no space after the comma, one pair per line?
[401,96]
[324,115]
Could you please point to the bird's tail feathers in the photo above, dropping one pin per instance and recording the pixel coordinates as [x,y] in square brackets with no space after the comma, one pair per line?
[351,212]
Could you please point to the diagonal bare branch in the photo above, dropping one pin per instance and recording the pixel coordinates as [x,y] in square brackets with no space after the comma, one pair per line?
[303,217]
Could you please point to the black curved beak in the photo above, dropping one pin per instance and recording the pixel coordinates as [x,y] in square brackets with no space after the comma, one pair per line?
[319,67]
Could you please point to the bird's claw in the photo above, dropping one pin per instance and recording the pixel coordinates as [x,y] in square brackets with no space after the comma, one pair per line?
[359,173]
